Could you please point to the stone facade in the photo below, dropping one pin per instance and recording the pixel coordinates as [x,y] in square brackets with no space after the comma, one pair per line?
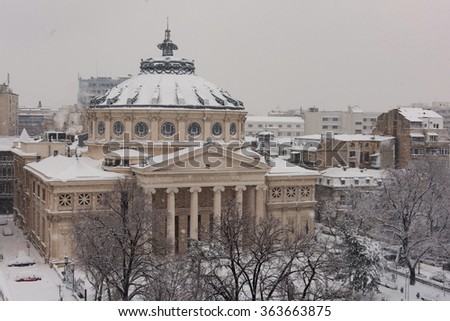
[419,133]
[9,105]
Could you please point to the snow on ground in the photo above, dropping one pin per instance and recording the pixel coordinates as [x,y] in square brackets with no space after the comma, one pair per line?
[51,287]
[46,289]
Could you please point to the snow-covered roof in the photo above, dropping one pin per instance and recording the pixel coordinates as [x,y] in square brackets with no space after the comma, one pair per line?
[62,168]
[362,137]
[281,167]
[169,90]
[309,137]
[343,172]
[417,114]
[127,152]
[24,137]
[274,119]
[6,142]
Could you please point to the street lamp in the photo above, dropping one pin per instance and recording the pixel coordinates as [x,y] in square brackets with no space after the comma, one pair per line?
[72,270]
[66,261]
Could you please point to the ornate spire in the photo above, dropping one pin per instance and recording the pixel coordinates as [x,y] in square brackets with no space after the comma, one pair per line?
[167,46]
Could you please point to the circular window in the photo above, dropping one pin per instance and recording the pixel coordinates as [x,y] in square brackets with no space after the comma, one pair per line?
[101,127]
[141,129]
[217,129]
[194,129]
[233,129]
[168,129]
[118,128]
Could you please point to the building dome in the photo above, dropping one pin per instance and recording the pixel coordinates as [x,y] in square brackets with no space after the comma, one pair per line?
[167,82]
[165,102]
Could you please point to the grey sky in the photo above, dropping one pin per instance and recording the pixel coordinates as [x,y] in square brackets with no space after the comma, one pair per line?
[328,53]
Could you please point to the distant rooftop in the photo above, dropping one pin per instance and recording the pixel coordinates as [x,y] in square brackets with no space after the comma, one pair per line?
[417,114]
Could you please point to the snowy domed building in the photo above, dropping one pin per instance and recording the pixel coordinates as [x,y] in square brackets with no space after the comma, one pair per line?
[182,137]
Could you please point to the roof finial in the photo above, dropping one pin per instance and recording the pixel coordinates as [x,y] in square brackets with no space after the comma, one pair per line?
[167,46]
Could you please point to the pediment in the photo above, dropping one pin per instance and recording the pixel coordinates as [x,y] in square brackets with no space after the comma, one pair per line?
[210,156]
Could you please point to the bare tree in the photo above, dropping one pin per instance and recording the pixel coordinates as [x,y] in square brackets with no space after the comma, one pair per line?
[412,210]
[116,245]
[248,260]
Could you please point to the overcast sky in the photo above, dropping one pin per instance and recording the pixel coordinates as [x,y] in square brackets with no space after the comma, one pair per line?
[269,54]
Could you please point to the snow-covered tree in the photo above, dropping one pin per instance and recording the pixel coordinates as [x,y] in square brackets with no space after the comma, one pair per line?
[116,245]
[413,210]
[247,260]
[360,263]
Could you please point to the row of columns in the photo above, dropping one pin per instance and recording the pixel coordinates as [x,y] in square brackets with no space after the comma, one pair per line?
[258,199]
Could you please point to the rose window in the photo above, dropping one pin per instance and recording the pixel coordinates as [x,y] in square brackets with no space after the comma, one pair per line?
[118,128]
[217,129]
[167,129]
[305,191]
[141,129]
[65,200]
[291,192]
[276,192]
[84,199]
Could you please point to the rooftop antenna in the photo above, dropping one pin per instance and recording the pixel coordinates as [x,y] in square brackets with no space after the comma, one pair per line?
[7,79]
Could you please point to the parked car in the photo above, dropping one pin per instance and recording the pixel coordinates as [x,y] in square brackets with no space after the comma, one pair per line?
[7,231]
[22,260]
[28,278]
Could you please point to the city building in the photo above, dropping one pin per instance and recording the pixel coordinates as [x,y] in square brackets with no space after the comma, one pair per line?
[36,120]
[419,133]
[279,126]
[443,109]
[352,121]
[354,151]
[182,138]
[9,105]
[285,113]
[337,188]
[6,174]
[90,88]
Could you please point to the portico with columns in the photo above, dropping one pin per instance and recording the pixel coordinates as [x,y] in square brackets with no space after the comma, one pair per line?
[194,194]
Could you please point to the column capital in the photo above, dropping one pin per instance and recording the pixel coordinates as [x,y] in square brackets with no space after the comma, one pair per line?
[197,189]
[240,188]
[218,189]
[172,190]
[262,187]
[149,190]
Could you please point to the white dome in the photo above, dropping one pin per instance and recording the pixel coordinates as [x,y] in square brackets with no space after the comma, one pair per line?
[167,83]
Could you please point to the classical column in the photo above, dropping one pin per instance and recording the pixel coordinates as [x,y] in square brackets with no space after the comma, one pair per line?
[251,204]
[240,198]
[150,191]
[260,201]
[194,212]
[217,203]
[171,218]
